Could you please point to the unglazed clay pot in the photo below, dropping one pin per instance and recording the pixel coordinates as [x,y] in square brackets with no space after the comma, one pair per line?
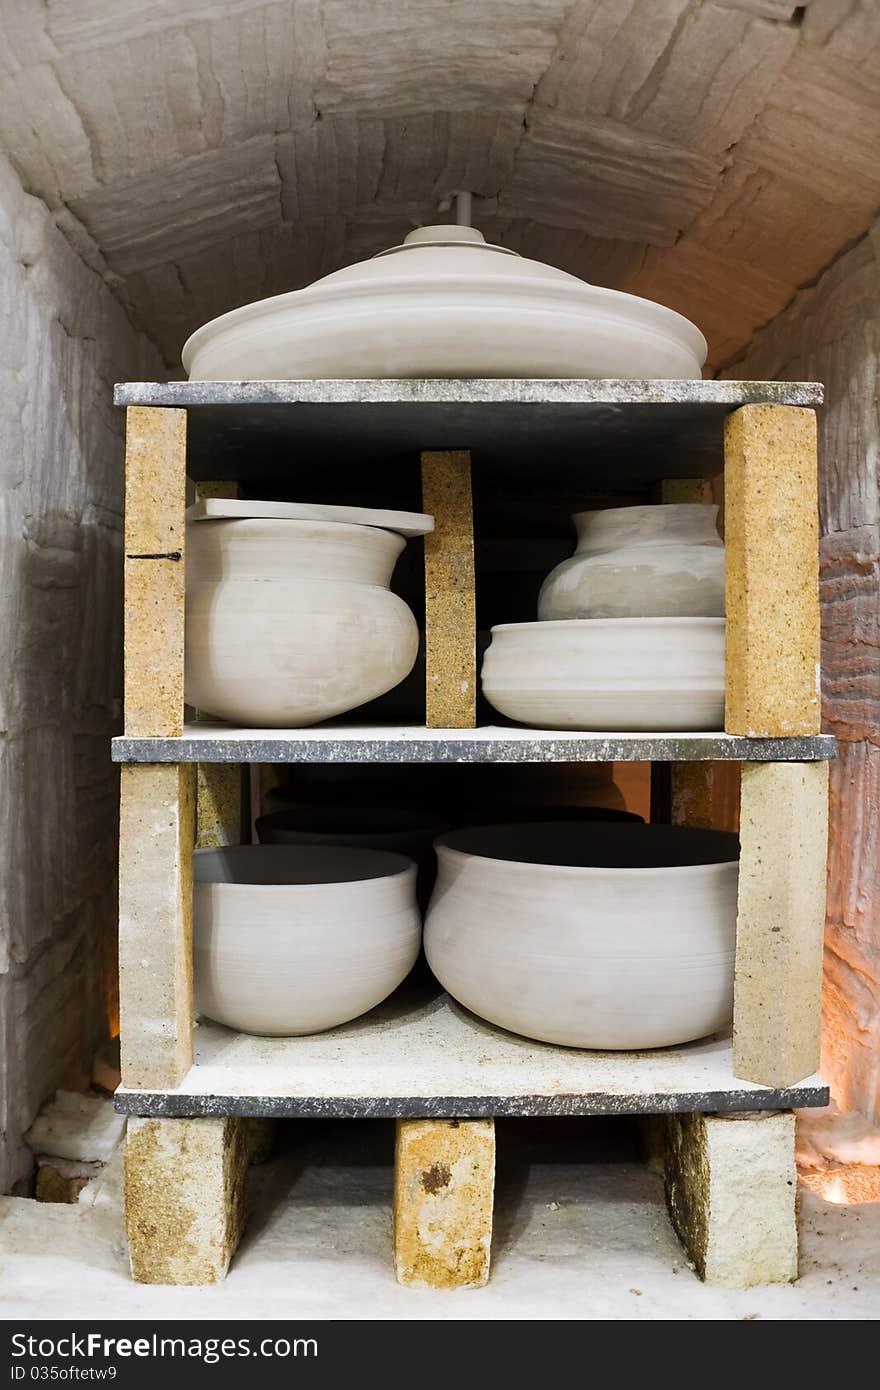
[296,939]
[396,829]
[446,304]
[640,562]
[292,622]
[602,936]
[616,674]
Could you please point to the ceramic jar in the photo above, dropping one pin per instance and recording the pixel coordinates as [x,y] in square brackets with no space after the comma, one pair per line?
[600,936]
[447,304]
[640,562]
[624,674]
[297,939]
[292,622]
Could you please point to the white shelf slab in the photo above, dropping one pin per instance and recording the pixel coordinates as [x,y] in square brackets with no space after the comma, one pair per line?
[421,1054]
[351,743]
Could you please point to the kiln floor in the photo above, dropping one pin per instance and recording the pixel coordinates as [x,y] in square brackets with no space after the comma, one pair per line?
[581,1233]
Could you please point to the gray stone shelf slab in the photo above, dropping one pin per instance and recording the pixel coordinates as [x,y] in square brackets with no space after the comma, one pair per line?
[421,1054]
[341,743]
[606,434]
[468,390]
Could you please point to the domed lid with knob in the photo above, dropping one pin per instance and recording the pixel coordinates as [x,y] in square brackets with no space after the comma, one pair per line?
[446,303]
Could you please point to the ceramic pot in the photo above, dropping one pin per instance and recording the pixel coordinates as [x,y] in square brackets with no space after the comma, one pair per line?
[640,562]
[292,622]
[603,936]
[396,829]
[446,304]
[626,674]
[296,939]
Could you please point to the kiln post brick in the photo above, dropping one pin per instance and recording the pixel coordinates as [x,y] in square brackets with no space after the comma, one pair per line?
[184,1190]
[731,1188]
[450,604]
[156,834]
[780,921]
[772,558]
[155,537]
[444,1186]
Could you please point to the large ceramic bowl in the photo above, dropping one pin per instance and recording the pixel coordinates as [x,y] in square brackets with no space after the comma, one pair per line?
[446,304]
[665,561]
[600,936]
[292,622]
[290,939]
[614,674]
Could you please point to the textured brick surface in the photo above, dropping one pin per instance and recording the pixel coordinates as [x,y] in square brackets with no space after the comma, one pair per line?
[772,555]
[450,606]
[184,1187]
[444,1183]
[157,829]
[731,1188]
[780,917]
[155,502]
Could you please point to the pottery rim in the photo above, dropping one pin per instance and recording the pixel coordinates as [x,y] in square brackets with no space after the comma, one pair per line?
[556,833]
[546,624]
[385,863]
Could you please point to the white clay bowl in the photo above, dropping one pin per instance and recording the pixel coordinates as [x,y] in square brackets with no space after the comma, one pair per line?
[599,936]
[292,622]
[447,304]
[290,940]
[624,674]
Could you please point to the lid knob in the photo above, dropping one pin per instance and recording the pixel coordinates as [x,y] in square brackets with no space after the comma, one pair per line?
[445,232]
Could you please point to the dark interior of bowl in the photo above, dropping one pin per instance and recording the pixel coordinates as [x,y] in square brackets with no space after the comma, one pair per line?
[295,864]
[514,814]
[596,844]
[353,820]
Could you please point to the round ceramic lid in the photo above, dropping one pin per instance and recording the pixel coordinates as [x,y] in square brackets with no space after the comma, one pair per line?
[446,303]
[407,524]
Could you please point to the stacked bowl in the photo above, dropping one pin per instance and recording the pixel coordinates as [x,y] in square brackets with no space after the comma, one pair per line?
[630,631]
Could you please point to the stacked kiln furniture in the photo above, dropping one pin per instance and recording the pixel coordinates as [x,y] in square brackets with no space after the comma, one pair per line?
[441,1073]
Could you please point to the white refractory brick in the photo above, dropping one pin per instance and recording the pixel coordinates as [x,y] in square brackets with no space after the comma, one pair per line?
[77,1126]
[731,1189]
[63,339]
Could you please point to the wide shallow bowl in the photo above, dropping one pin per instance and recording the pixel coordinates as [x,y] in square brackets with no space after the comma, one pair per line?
[396,829]
[600,936]
[447,304]
[291,622]
[616,674]
[295,939]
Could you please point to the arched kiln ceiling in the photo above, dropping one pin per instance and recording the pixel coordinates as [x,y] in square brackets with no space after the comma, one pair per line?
[711,154]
